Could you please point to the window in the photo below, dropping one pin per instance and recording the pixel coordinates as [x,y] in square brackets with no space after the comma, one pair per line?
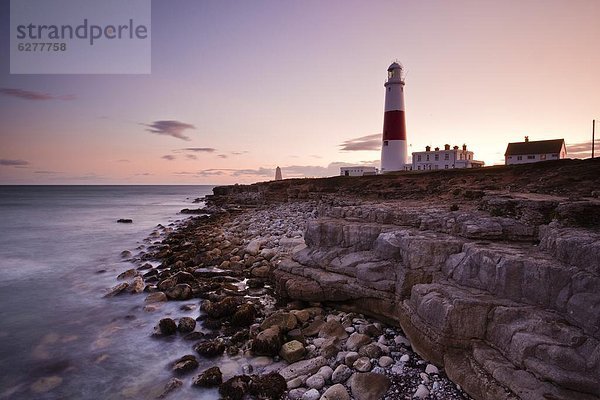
[419,167]
[460,157]
[446,156]
[531,157]
[419,157]
[519,158]
[385,142]
[437,157]
[427,156]
[436,166]
[542,156]
[554,155]
[446,166]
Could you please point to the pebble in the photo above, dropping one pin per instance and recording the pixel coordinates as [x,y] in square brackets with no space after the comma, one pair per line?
[405,358]
[363,364]
[421,392]
[385,361]
[315,382]
[424,377]
[351,357]
[312,394]
[296,394]
[341,374]
[325,372]
[336,392]
[431,369]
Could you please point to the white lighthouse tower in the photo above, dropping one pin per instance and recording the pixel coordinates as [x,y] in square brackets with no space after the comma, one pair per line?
[393,145]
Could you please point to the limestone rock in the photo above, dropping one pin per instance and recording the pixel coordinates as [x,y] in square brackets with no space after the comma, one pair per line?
[292,351]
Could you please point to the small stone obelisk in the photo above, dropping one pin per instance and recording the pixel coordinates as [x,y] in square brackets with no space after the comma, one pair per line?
[278,174]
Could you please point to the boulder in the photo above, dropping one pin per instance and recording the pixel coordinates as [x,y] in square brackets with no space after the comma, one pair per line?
[181,291]
[130,273]
[333,329]
[209,378]
[369,385]
[292,351]
[167,326]
[244,315]
[185,364]
[171,385]
[304,367]
[315,381]
[235,388]
[341,374]
[336,392]
[363,364]
[356,341]
[137,285]
[210,348]
[220,309]
[186,324]
[285,321]
[267,342]
[312,394]
[271,386]
[117,289]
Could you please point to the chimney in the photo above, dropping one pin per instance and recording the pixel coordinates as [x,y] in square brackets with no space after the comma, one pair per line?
[464,147]
[526,139]
[446,147]
[437,149]
[427,148]
[455,147]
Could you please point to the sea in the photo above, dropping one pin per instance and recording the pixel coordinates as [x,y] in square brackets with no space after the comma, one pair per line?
[60,250]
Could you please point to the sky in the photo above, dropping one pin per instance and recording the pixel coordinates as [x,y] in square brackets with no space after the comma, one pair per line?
[240,87]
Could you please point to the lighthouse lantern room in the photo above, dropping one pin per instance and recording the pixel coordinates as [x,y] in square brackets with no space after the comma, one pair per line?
[393,146]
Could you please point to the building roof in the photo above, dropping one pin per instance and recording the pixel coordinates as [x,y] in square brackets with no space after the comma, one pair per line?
[535,147]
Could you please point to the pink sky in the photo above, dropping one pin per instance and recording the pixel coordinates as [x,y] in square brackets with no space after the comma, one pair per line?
[253,85]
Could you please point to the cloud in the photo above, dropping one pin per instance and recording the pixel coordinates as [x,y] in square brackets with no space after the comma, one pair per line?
[369,142]
[237,172]
[168,157]
[581,150]
[191,157]
[210,172]
[13,163]
[144,174]
[123,160]
[222,156]
[31,95]
[170,128]
[200,149]
[47,172]
[239,153]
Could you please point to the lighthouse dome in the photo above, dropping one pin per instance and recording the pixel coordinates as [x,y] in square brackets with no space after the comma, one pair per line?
[394,66]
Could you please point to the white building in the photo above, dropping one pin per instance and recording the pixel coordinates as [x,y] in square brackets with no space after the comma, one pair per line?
[358,171]
[530,152]
[449,158]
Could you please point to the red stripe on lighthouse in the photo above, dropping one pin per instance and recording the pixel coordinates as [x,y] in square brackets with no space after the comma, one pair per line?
[394,125]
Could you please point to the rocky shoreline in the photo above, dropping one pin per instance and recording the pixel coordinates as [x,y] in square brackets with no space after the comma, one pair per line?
[224,260]
[439,285]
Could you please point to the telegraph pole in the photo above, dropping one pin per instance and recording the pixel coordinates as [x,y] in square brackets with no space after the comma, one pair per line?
[593,131]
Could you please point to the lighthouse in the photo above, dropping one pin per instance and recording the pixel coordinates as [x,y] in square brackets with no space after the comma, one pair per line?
[393,145]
